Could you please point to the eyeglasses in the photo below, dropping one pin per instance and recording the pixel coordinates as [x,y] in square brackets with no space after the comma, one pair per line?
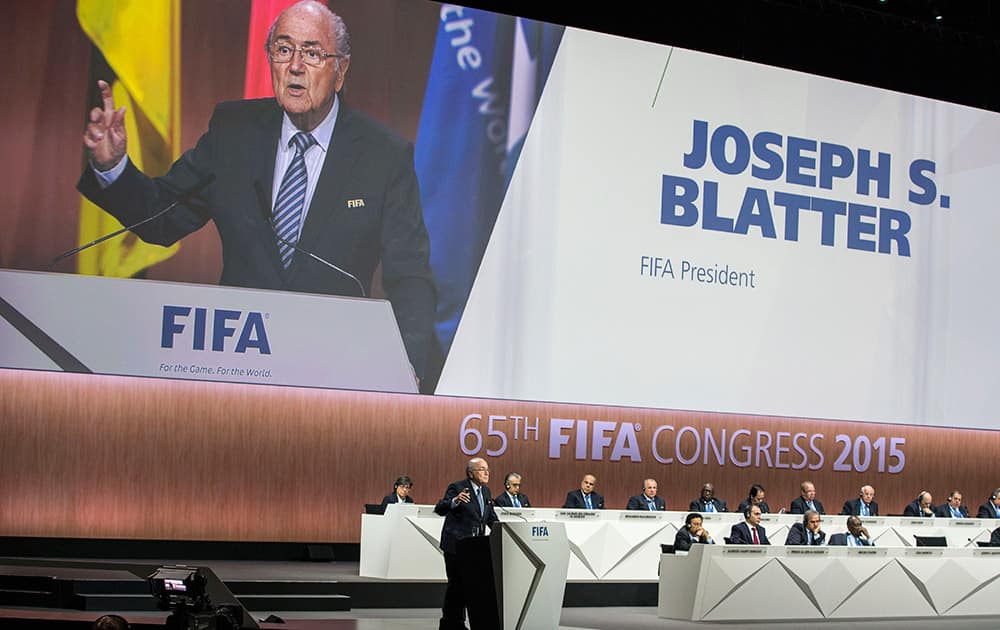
[315,56]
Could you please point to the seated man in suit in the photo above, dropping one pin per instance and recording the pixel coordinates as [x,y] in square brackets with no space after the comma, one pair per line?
[990,509]
[400,492]
[707,501]
[691,534]
[513,496]
[750,531]
[648,499]
[921,507]
[585,498]
[953,508]
[856,536]
[864,505]
[467,512]
[755,497]
[807,532]
[807,500]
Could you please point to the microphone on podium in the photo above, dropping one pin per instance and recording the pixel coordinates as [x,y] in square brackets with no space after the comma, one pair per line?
[184,196]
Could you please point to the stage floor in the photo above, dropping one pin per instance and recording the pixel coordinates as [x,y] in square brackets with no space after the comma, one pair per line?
[423,616]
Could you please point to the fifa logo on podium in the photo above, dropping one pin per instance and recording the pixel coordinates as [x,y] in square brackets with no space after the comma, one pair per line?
[217,326]
[539,531]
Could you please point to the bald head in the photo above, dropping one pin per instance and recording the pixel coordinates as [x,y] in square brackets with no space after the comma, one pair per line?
[316,11]
[478,471]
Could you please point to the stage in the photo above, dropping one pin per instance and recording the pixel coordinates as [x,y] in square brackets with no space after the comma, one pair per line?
[72,592]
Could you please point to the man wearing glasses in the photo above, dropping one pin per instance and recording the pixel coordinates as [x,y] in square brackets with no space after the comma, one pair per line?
[306,193]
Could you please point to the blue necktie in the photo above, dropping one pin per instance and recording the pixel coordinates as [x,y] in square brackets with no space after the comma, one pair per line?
[586,499]
[291,199]
[651,505]
[479,497]
[515,501]
[709,507]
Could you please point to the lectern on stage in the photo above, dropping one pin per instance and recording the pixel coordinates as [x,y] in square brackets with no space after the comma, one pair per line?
[56,321]
[527,563]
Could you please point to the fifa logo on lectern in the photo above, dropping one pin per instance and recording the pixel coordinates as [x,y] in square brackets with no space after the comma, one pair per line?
[539,531]
[217,326]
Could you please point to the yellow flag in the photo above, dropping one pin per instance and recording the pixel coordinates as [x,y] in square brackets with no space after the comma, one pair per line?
[140,39]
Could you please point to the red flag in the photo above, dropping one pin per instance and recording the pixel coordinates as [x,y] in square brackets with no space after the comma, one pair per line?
[258,77]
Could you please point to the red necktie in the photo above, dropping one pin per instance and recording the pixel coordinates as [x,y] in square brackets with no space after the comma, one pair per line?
[753,532]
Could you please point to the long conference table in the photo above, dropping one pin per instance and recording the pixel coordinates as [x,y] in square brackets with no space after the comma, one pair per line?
[740,583]
[624,546]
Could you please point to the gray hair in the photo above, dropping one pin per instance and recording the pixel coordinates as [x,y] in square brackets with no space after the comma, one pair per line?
[337,26]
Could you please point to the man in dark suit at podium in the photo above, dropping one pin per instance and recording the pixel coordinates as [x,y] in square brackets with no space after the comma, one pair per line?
[585,498]
[512,497]
[307,194]
[864,505]
[467,511]
[648,499]
[807,500]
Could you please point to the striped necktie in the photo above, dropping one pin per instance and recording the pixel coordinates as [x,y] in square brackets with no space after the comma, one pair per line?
[291,200]
[514,500]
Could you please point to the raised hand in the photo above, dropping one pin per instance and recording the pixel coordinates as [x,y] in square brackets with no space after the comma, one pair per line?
[104,137]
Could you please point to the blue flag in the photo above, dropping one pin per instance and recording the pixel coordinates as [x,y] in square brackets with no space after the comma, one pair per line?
[486,77]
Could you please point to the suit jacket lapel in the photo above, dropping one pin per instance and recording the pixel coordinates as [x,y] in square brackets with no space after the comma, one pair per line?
[265,145]
[334,176]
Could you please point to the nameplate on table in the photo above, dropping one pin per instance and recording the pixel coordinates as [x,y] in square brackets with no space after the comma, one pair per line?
[426,511]
[767,518]
[871,520]
[917,522]
[986,552]
[526,514]
[866,551]
[746,550]
[924,552]
[808,551]
[577,514]
[964,522]
[636,514]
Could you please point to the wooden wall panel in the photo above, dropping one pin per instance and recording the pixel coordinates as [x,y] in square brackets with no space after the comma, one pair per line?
[117,457]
